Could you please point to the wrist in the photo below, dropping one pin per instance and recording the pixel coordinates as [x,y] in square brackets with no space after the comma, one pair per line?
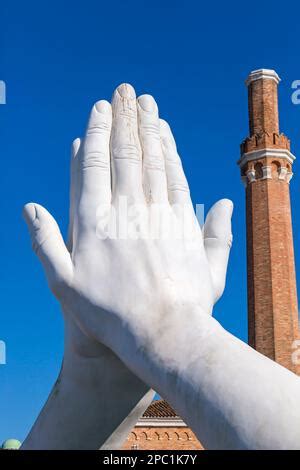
[171,344]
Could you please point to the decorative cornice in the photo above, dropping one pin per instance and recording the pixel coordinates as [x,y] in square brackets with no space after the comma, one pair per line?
[266,153]
[161,422]
[266,74]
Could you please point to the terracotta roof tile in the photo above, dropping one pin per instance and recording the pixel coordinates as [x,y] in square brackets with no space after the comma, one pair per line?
[160,409]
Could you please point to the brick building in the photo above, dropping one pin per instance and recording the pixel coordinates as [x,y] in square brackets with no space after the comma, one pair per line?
[266,169]
[161,428]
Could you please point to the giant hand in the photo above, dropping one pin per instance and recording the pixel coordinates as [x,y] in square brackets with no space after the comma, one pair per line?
[104,284]
[123,278]
[115,287]
[149,299]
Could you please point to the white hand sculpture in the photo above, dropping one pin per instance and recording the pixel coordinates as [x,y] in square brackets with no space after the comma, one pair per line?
[101,273]
[114,285]
[150,299]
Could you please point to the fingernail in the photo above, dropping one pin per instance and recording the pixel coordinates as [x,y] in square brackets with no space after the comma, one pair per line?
[102,107]
[126,91]
[75,147]
[227,203]
[147,103]
[29,213]
[230,206]
[164,125]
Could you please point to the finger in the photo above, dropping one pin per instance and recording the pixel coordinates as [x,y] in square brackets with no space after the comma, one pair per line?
[217,241]
[94,162]
[178,188]
[125,146]
[154,174]
[49,246]
[74,189]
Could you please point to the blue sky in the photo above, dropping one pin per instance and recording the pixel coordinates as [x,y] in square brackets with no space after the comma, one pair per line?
[57,59]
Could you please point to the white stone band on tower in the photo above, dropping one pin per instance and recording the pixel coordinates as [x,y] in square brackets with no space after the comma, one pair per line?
[263,74]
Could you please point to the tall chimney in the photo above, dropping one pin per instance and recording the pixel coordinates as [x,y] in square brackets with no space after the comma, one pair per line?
[266,170]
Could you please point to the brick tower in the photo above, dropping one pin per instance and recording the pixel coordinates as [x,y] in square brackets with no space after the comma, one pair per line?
[266,169]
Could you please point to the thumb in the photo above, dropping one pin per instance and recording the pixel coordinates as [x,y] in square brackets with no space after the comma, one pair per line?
[48,244]
[217,242]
